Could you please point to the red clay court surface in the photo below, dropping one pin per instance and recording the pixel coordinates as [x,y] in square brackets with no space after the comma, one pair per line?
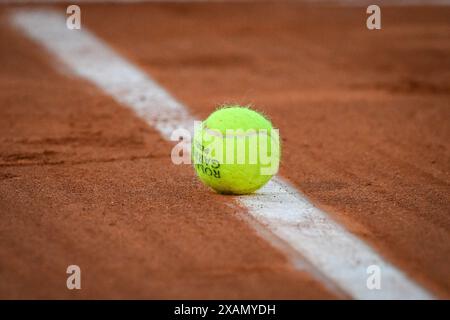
[365,121]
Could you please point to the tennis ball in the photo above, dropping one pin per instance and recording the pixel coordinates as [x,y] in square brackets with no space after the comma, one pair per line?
[235,150]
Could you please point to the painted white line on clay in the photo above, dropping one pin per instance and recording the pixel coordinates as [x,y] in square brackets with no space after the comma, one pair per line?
[347,3]
[339,256]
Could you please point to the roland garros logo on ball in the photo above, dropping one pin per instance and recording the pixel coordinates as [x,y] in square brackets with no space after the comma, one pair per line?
[235,150]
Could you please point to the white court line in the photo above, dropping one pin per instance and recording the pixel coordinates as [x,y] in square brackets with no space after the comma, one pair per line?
[337,254]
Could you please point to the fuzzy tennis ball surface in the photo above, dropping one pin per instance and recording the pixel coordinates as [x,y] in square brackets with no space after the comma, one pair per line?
[235,150]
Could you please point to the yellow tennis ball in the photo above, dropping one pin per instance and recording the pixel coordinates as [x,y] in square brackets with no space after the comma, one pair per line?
[235,150]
